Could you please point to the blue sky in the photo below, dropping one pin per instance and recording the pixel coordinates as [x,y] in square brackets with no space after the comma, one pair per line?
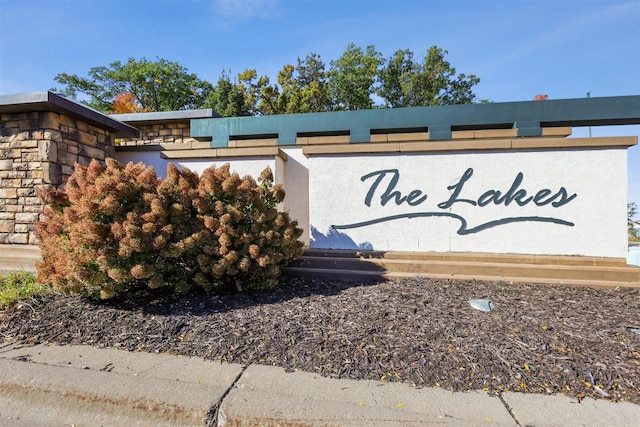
[518,48]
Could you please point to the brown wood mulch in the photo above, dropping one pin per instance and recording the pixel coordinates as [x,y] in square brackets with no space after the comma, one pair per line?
[577,341]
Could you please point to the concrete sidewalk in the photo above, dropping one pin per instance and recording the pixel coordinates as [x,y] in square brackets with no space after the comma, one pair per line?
[81,385]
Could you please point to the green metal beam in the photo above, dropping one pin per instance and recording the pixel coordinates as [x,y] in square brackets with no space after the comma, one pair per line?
[527,117]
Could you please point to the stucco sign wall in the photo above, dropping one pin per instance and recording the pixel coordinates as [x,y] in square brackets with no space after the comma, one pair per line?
[557,202]
[496,178]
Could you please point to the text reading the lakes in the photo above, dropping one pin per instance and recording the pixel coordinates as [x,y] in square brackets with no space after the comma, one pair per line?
[515,193]
[416,197]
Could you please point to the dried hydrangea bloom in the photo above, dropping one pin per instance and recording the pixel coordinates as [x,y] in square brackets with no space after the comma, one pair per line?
[155,282]
[142,271]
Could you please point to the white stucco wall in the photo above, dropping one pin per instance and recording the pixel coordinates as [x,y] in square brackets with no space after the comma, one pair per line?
[242,165]
[149,158]
[296,185]
[593,223]
[329,190]
[252,166]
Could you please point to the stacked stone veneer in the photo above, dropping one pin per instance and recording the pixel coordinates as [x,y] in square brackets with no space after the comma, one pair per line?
[164,133]
[37,149]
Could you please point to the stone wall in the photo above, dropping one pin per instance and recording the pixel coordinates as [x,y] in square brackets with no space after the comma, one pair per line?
[36,149]
[164,127]
[164,133]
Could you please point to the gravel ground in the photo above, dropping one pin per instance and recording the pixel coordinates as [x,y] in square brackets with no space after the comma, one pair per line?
[577,341]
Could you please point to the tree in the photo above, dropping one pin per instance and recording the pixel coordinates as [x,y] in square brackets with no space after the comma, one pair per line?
[352,78]
[308,91]
[351,83]
[302,89]
[227,98]
[406,83]
[259,95]
[158,85]
[125,103]
[246,95]
[632,210]
[289,98]
[397,79]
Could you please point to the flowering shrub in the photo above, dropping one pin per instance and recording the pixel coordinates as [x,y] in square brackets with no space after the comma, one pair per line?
[118,229]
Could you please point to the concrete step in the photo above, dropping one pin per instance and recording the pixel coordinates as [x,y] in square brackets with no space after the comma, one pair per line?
[19,258]
[463,256]
[374,277]
[473,268]
[372,266]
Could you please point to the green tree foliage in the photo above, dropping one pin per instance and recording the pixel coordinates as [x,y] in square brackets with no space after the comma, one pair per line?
[247,95]
[407,83]
[227,98]
[259,95]
[632,223]
[354,81]
[398,80]
[305,88]
[352,78]
[158,85]
[119,229]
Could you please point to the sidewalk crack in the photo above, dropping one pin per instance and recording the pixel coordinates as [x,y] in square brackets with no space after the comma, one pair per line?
[212,419]
[508,408]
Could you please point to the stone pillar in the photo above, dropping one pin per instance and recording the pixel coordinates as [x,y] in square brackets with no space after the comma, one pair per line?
[21,173]
[36,149]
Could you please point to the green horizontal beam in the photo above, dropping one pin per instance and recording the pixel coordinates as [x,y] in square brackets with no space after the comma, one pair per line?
[528,117]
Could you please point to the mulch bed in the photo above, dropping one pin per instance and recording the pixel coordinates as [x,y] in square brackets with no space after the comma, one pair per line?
[543,339]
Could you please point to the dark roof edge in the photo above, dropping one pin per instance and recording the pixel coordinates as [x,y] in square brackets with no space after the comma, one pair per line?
[166,116]
[49,101]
